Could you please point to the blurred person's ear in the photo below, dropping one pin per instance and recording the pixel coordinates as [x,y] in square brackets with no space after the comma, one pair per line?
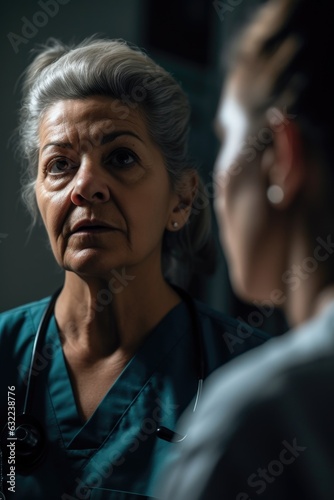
[283,159]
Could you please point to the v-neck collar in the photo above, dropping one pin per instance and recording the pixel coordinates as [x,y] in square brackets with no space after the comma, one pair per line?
[124,391]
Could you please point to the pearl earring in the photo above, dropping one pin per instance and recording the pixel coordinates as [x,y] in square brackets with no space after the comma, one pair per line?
[275,194]
[175,224]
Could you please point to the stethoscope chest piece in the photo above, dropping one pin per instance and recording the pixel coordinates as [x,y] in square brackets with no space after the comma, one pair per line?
[29,442]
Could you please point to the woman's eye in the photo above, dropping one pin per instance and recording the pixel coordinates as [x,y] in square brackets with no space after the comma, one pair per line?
[60,166]
[122,158]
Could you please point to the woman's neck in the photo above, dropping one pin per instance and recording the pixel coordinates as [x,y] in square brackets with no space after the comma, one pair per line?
[97,317]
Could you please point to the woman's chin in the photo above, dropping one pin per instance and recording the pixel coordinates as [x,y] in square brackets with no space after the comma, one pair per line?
[90,262]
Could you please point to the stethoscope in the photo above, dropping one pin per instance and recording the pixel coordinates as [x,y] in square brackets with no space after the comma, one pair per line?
[30,439]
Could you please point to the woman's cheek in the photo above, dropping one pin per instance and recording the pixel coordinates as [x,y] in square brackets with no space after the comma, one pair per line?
[53,207]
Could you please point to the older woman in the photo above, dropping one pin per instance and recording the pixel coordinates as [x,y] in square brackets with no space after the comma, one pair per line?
[265,425]
[119,352]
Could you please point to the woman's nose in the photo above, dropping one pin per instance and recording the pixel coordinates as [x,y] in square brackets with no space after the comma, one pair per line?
[90,186]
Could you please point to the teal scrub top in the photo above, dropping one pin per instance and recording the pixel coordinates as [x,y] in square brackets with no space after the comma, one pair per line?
[116,453]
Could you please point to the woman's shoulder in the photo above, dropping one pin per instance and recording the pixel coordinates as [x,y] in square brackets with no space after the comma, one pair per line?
[23,316]
[236,333]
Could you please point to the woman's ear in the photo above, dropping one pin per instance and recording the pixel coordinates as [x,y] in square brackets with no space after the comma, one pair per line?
[185,195]
[283,160]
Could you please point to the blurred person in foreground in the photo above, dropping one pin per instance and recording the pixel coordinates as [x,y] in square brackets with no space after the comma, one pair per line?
[264,428]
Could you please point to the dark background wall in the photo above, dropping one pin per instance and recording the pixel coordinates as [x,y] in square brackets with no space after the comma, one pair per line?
[184,36]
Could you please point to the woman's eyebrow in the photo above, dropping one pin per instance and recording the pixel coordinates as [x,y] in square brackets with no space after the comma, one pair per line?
[111,137]
[104,139]
[67,145]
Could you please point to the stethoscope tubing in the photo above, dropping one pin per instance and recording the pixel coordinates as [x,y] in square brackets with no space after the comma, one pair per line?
[39,338]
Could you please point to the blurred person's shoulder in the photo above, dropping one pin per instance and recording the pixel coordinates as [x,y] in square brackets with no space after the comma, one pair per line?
[272,370]
[272,402]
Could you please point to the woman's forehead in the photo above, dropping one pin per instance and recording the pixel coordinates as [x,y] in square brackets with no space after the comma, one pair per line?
[96,116]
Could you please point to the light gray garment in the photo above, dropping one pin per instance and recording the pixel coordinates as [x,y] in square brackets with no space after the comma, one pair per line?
[264,425]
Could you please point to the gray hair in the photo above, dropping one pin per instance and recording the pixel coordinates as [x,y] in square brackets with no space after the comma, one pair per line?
[115,69]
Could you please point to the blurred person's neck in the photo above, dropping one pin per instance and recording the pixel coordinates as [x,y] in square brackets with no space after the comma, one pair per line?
[324,298]
[311,287]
